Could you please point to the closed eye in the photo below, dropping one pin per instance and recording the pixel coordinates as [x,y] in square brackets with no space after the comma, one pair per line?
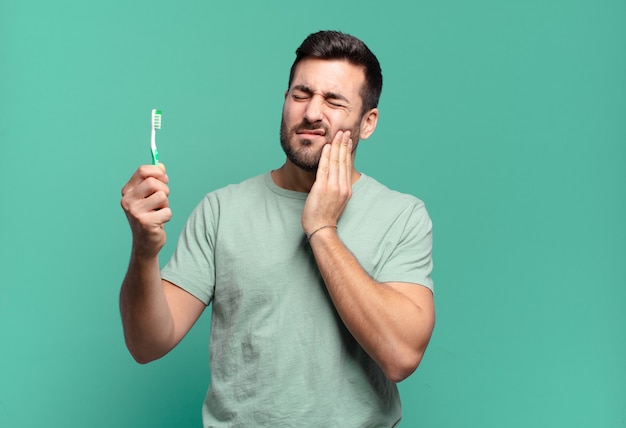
[301,92]
[336,100]
[335,103]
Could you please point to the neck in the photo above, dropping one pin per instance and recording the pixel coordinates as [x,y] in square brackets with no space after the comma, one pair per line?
[291,177]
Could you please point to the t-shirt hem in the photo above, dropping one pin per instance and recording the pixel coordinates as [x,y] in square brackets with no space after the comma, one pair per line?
[177,281]
[423,282]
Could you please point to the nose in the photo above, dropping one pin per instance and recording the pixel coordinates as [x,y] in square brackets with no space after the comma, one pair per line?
[313,111]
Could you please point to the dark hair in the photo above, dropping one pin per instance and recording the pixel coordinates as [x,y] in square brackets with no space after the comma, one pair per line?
[337,45]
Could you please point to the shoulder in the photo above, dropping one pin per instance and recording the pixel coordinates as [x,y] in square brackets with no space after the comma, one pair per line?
[375,194]
[247,190]
[230,198]
[252,184]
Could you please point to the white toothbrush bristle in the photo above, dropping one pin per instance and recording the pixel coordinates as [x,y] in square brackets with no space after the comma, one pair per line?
[156,119]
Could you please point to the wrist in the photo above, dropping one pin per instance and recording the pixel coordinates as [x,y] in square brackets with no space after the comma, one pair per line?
[319,229]
[145,253]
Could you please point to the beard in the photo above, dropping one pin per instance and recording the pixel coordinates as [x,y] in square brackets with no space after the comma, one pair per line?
[302,153]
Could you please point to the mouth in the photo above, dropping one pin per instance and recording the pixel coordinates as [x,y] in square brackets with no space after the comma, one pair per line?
[311,132]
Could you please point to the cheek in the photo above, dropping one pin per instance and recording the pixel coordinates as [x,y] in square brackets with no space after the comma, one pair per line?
[338,120]
[291,115]
[351,124]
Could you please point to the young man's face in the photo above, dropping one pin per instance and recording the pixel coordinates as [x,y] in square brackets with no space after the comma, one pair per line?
[324,97]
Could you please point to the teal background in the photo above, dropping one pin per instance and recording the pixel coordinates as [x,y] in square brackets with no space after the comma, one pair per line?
[506,118]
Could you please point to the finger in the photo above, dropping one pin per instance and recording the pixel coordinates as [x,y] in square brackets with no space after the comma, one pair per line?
[155,201]
[151,194]
[349,161]
[154,218]
[149,213]
[144,172]
[333,167]
[163,216]
[151,223]
[149,186]
[343,164]
[323,165]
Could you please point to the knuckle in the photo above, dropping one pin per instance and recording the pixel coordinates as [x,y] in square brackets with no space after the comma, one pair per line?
[151,181]
[136,215]
[143,170]
[167,214]
[127,203]
[161,197]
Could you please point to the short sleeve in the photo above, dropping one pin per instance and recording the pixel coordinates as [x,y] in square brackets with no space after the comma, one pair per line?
[411,259]
[192,265]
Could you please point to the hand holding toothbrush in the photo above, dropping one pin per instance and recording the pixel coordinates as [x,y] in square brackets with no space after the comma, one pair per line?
[145,200]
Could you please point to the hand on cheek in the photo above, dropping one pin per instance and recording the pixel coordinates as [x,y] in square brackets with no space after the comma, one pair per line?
[333,185]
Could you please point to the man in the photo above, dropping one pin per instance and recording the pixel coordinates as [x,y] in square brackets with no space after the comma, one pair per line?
[319,276]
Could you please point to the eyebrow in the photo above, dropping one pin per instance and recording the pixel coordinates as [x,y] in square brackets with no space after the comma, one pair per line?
[327,95]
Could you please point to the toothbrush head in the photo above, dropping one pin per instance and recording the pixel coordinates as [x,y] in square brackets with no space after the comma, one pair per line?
[156,124]
[156,119]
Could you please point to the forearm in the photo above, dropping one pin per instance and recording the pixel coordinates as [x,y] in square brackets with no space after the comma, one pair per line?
[146,317]
[392,328]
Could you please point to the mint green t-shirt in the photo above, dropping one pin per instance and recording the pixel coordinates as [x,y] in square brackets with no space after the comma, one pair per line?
[280,355]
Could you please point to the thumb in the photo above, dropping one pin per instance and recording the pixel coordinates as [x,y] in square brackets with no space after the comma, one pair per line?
[162,166]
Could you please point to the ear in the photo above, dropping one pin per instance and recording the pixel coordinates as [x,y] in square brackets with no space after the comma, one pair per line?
[368,123]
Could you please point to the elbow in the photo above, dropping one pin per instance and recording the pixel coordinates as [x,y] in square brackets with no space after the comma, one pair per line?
[142,359]
[401,368]
[405,359]
[141,354]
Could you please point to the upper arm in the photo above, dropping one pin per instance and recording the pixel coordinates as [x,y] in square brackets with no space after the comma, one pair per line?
[184,307]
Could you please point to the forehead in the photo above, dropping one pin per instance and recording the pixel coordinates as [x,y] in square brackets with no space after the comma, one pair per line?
[334,75]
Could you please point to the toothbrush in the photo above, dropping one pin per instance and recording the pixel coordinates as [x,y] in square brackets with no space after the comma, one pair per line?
[156,124]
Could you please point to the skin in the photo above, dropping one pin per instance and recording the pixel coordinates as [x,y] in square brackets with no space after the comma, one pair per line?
[321,125]
[156,314]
